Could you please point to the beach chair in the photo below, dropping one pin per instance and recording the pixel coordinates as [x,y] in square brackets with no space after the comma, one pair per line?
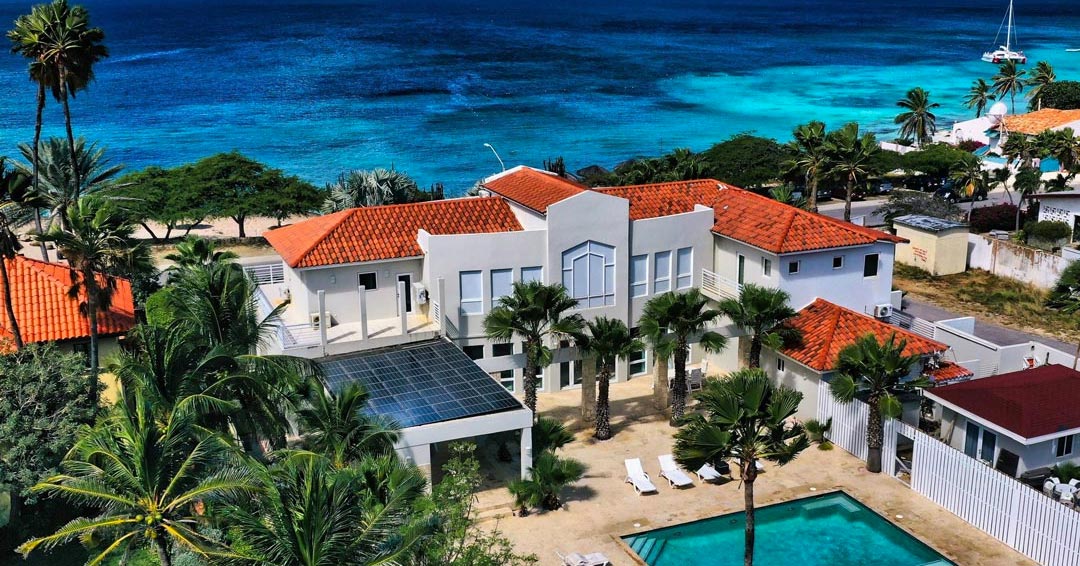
[1074,482]
[671,471]
[575,559]
[694,380]
[636,476]
[707,472]
[1048,487]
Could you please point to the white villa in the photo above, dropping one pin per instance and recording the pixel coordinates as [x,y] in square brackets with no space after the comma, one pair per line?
[389,275]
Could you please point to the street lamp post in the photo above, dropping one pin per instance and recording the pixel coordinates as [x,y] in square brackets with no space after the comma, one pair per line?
[501,164]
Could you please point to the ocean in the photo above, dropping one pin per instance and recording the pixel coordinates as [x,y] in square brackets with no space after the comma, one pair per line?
[318,87]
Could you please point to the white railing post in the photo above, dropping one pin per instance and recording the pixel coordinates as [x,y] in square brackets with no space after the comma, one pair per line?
[323,323]
[402,313]
[363,311]
[442,305]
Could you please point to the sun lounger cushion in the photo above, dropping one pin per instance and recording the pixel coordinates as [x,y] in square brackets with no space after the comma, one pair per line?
[636,475]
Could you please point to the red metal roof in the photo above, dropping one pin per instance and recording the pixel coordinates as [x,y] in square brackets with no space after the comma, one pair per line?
[386,232]
[45,311]
[828,328]
[1030,403]
[532,188]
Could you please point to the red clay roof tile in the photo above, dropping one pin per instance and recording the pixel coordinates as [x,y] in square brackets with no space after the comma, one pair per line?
[532,188]
[948,371]
[386,232]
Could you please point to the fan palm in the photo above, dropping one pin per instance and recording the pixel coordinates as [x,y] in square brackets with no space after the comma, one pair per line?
[535,313]
[745,417]
[194,251]
[13,213]
[851,156]
[339,427]
[96,242]
[370,188]
[979,96]
[808,146]
[762,313]
[1020,148]
[877,371]
[667,322]
[57,187]
[609,340]
[917,121]
[549,435]
[1062,145]
[1010,81]
[548,476]
[146,475]
[1041,76]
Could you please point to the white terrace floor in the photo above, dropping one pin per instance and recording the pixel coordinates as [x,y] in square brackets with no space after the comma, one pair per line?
[602,507]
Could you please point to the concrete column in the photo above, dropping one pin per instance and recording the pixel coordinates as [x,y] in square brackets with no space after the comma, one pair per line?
[526,452]
[363,312]
[402,314]
[324,321]
[442,306]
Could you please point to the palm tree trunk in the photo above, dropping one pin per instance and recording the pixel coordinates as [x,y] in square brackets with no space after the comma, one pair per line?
[1021,196]
[847,199]
[90,283]
[811,204]
[529,379]
[603,405]
[162,551]
[678,386]
[37,142]
[875,435]
[588,389]
[754,357]
[660,384]
[749,475]
[71,140]
[8,306]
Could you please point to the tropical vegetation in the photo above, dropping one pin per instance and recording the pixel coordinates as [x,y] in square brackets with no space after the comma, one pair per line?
[1010,81]
[373,188]
[1042,76]
[979,96]
[917,121]
[850,155]
[762,312]
[810,157]
[608,340]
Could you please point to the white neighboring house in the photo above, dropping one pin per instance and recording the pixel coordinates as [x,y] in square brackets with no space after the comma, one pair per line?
[1014,421]
[1062,206]
[439,267]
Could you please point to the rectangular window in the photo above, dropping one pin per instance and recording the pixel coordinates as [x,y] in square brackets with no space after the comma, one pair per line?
[532,274]
[506,378]
[368,281]
[742,269]
[971,439]
[638,363]
[838,262]
[779,364]
[766,267]
[498,350]
[639,275]
[472,292]
[662,272]
[474,352]
[870,265]
[1064,446]
[989,443]
[684,268]
[793,267]
[502,282]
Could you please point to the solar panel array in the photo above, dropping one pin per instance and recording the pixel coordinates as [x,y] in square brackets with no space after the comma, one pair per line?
[421,383]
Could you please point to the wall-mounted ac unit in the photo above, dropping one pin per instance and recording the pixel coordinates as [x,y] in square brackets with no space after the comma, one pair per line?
[316,319]
[883,311]
[420,292]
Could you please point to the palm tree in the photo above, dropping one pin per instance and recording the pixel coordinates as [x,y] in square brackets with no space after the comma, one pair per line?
[917,121]
[1041,76]
[340,428]
[146,475]
[979,96]
[969,174]
[96,243]
[1009,81]
[1019,148]
[1062,145]
[535,313]
[13,213]
[786,195]
[194,251]
[609,340]
[745,417]
[310,513]
[667,322]
[548,476]
[808,146]
[850,154]
[878,372]
[57,187]
[370,188]
[1000,178]
[762,313]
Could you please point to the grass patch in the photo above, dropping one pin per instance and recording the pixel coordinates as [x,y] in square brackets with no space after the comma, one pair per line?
[978,293]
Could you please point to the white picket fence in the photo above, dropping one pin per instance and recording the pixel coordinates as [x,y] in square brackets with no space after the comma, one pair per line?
[1028,521]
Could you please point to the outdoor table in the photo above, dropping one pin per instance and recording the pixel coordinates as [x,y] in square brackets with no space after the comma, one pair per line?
[1064,488]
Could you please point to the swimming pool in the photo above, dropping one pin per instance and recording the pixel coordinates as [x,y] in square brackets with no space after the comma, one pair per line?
[826,530]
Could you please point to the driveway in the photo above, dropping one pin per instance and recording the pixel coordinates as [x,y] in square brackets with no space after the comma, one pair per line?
[991,332]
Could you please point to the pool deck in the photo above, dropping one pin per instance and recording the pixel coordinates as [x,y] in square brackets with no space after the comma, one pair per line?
[600,508]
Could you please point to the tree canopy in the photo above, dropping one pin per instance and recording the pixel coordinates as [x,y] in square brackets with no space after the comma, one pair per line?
[745,160]
[1063,95]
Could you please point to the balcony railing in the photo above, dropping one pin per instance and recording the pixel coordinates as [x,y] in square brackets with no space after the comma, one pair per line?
[717,287]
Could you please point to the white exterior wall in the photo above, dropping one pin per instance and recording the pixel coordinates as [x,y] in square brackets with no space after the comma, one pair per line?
[1032,456]
[795,376]
[669,233]
[342,295]
[1059,209]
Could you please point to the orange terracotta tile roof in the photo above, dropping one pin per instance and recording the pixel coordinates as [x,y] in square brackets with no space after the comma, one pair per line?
[1034,123]
[748,217]
[532,188]
[948,371]
[829,328]
[386,232]
[45,312]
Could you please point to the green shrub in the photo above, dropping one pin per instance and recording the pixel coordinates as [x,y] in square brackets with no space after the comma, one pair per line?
[1063,95]
[1047,230]
[997,217]
[1066,293]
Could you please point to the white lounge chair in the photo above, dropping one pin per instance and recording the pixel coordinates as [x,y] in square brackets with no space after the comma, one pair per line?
[694,380]
[671,471]
[709,473]
[575,559]
[1074,482]
[1048,488]
[636,476]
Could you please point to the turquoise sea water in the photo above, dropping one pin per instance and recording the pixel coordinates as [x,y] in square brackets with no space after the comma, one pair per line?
[319,86]
[826,530]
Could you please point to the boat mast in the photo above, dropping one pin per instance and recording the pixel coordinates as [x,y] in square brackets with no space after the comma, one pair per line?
[1008,30]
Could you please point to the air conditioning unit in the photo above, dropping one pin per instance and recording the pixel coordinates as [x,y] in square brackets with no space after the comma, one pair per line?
[883,311]
[420,292]
[316,320]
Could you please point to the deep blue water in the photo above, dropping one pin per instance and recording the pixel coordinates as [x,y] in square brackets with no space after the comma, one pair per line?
[319,86]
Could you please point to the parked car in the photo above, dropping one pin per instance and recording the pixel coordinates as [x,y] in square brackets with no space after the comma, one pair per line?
[950,194]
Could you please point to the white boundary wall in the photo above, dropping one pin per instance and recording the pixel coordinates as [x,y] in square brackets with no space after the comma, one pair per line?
[1023,518]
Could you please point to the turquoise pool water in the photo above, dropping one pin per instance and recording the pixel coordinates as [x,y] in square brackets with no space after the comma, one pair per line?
[827,530]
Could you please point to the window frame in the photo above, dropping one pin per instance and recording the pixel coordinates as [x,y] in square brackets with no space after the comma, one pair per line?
[1063,443]
[781,364]
[590,249]
[766,267]
[466,349]
[658,281]
[838,257]
[689,274]
[491,278]
[538,268]
[500,345]
[478,300]
[877,267]
[797,264]
[644,361]
[375,277]
[644,282]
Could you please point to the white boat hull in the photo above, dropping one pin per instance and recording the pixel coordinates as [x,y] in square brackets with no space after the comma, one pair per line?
[1002,55]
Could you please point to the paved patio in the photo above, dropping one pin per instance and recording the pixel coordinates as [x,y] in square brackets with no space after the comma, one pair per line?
[601,506]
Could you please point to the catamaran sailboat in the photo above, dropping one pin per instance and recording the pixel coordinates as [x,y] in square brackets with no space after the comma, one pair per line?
[1005,52]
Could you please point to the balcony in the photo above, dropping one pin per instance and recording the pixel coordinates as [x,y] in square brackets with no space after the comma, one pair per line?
[718,288]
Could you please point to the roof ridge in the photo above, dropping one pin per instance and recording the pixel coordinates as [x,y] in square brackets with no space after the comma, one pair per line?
[346,214]
[842,224]
[38,266]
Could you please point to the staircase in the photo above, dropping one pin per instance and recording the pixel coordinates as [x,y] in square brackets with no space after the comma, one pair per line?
[647,547]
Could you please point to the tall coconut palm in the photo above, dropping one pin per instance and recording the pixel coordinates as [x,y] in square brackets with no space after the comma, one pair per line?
[668,322]
[972,178]
[57,187]
[1009,81]
[1062,145]
[95,243]
[1041,77]
[340,428]
[1019,148]
[762,313]
[917,121]
[811,158]
[13,213]
[745,417]
[536,314]
[877,371]
[609,340]
[851,156]
[979,96]
[145,475]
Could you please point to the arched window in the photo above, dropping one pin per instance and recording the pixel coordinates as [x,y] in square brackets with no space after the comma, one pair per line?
[588,272]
